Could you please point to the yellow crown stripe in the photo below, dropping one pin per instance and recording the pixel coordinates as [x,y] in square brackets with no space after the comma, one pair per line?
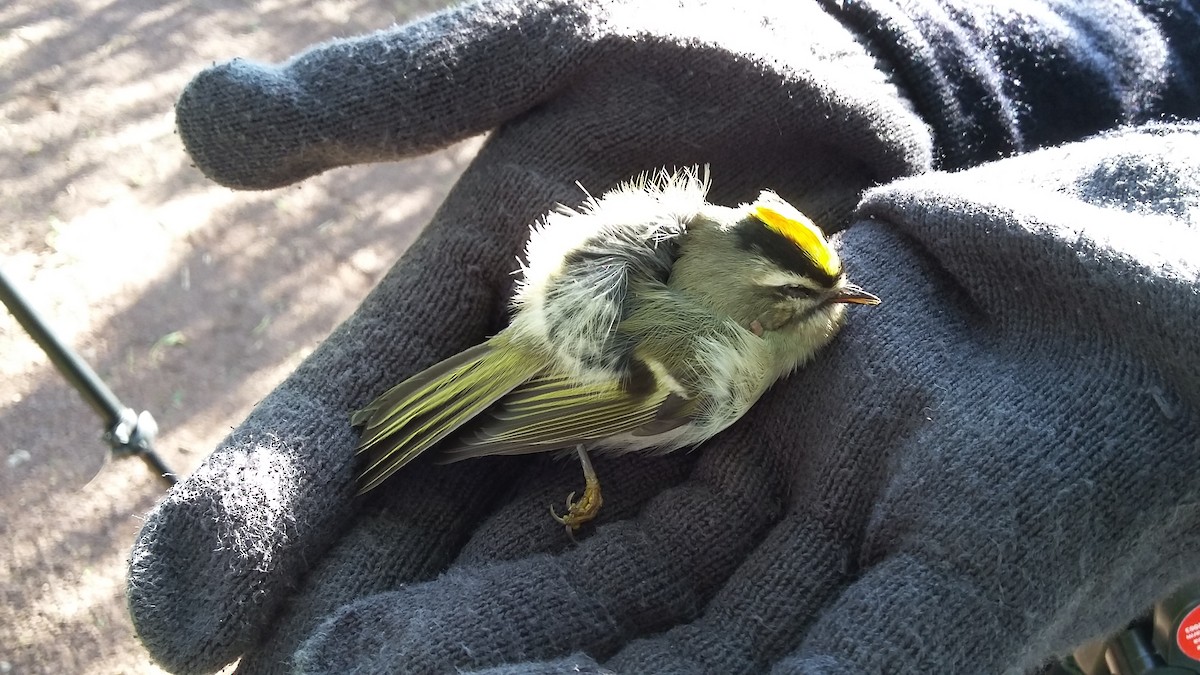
[797,228]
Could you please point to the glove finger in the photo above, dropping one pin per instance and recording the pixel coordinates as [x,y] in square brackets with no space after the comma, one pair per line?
[384,96]
[462,72]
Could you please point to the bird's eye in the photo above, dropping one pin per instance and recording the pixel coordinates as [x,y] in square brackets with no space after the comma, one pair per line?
[797,291]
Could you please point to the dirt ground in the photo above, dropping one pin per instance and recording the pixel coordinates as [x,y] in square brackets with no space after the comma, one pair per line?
[192,301]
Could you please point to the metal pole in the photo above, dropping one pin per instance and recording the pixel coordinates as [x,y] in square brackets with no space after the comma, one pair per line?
[126,432]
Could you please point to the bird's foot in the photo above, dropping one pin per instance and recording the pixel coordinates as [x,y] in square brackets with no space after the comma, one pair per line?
[581,511]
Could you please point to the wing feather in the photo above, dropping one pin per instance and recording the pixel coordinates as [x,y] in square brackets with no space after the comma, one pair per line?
[550,413]
[416,414]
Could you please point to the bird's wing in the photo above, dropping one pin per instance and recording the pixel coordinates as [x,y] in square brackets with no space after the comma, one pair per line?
[550,413]
[414,415]
[584,267]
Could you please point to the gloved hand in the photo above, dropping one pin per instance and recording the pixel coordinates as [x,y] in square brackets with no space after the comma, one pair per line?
[263,543]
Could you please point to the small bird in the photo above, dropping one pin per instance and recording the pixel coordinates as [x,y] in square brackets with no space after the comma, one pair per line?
[646,319]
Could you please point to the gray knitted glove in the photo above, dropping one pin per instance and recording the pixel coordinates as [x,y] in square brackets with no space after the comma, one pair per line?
[997,464]
[588,92]
[826,493]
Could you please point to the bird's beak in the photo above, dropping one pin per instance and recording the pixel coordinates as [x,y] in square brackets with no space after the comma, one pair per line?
[853,294]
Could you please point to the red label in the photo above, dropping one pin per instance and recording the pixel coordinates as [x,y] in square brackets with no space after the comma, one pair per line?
[1188,635]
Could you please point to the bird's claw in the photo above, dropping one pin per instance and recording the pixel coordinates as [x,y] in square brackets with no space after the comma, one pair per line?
[581,511]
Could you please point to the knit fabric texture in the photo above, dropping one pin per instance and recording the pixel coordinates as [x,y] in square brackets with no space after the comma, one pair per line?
[993,466]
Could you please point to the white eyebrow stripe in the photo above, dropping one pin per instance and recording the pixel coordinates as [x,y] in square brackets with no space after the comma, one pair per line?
[785,278]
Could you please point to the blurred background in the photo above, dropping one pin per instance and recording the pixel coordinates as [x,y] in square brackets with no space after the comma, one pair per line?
[191,300]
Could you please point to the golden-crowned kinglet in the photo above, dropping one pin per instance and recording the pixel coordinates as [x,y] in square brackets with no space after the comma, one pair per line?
[647,318]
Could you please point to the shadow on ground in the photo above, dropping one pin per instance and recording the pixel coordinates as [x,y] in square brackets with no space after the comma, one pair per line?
[191,301]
